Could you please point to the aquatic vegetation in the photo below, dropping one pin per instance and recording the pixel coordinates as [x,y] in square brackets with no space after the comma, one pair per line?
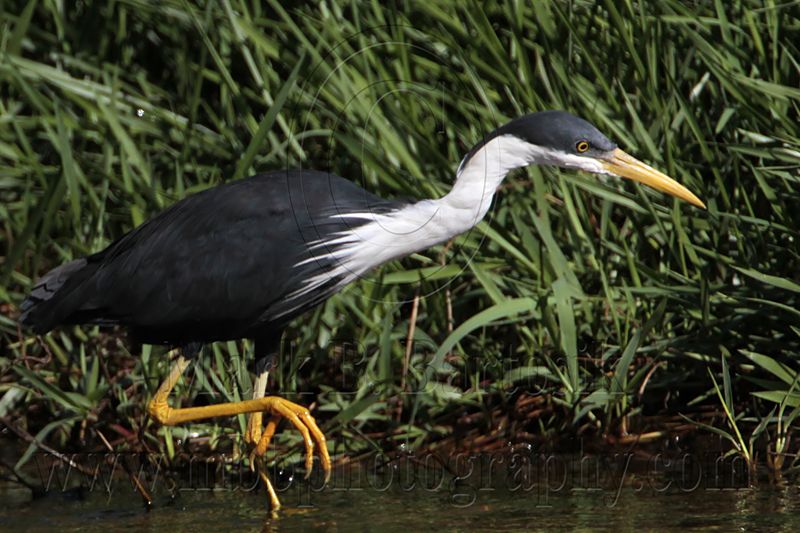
[577,310]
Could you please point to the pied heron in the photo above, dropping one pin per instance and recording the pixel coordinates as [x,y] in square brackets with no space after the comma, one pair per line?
[242,259]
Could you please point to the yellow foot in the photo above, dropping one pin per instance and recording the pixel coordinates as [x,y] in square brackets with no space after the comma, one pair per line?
[302,420]
[277,408]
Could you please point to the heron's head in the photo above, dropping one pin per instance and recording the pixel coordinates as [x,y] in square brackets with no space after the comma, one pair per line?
[564,140]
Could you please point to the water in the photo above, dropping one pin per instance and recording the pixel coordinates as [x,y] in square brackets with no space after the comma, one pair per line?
[420,498]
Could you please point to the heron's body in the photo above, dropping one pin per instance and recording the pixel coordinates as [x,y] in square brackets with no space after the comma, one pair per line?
[218,265]
[245,258]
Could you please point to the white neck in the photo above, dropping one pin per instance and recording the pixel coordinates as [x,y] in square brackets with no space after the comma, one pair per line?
[478,179]
[429,222]
[418,226]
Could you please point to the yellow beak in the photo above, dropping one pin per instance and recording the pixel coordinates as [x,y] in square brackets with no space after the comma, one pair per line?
[625,166]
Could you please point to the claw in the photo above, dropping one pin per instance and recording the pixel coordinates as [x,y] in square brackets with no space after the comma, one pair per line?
[301,419]
[319,437]
[287,410]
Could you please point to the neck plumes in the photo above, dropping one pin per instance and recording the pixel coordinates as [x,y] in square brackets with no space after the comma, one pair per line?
[375,238]
[415,227]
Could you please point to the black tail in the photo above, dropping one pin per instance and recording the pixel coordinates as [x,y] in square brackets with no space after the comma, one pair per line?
[49,303]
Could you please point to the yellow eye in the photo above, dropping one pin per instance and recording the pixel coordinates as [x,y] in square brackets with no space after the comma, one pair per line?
[582,146]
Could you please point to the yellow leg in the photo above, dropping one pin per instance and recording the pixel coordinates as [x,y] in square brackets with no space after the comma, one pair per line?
[274,502]
[276,406]
[253,434]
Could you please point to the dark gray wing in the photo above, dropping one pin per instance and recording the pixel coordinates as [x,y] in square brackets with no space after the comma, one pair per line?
[213,265]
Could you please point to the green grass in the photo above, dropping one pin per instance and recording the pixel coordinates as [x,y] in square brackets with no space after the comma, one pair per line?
[621,308]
